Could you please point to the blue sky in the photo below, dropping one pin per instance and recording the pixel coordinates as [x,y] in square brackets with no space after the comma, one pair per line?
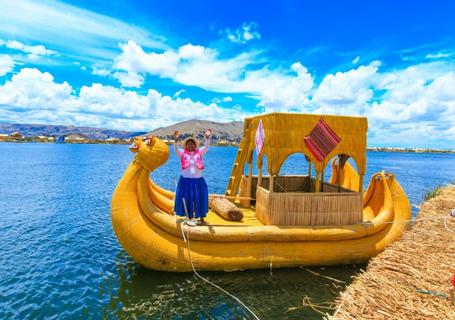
[138,65]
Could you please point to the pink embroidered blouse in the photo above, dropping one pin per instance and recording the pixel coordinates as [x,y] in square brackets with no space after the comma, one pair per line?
[192,171]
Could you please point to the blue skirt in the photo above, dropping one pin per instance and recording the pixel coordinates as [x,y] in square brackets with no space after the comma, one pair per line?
[195,193]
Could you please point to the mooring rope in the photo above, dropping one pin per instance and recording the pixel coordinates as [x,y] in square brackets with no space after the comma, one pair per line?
[187,241]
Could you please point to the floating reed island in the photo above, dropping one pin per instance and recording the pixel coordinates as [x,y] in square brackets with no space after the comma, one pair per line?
[411,279]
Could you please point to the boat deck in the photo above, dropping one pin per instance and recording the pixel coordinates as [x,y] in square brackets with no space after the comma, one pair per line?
[249,218]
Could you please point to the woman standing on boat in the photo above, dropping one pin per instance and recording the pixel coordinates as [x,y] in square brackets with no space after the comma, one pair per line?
[192,188]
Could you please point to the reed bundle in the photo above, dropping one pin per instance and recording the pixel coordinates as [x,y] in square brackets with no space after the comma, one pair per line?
[225,209]
[411,279]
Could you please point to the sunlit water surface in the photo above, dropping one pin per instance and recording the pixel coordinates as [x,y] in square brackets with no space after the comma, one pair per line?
[59,257]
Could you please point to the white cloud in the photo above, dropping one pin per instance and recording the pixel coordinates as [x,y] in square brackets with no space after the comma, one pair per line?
[126,79]
[70,30]
[411,107]
[178,93]
[134,59]
[190,52]
[35,96]
[110,101]
[129,79]
[101,72]
[246,32]
[350,91]
[283,92]
[33,89]
[225,99]
[193,65]
[34,52]
[6,64]
[414,96]
[356,60]
[438,55]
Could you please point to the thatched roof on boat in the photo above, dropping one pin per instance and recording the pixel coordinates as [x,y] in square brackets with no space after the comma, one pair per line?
[285,132]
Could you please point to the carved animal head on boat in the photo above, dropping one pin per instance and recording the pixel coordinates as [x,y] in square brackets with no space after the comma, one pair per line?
[151,152]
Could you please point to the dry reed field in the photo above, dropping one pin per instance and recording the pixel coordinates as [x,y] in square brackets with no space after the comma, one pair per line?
[412,277]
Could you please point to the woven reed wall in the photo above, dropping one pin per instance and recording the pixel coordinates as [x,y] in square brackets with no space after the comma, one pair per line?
[289,183]
[284,133]
[330,187]
[243,192]
[262,205]
[294,183]
[308,209]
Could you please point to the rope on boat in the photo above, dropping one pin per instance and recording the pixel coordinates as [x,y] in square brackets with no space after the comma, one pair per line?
[187,241]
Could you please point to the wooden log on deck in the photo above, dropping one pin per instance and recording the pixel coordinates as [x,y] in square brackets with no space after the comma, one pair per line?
[225,208]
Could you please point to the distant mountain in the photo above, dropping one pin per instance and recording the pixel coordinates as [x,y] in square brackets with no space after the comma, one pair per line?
[33,130]
[230,131]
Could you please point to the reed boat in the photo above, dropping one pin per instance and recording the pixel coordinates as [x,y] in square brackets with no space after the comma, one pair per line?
[288,221]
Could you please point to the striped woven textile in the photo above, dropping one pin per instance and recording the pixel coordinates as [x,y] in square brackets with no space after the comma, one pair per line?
[321,140]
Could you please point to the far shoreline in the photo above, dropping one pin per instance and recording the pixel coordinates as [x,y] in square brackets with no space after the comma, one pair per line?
[224,144]
[410,150]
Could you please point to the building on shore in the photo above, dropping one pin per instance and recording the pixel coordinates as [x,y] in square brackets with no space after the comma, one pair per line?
[16,136]
[112,140]
[75,138]
[42,138]
[3,136]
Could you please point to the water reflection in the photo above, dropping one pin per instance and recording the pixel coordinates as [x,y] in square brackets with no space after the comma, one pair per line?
[136,292]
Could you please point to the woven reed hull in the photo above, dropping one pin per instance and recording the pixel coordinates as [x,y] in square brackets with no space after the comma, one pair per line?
[154,239]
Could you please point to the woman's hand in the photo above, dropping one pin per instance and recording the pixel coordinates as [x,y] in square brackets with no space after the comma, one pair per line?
[176,135]
[208,133]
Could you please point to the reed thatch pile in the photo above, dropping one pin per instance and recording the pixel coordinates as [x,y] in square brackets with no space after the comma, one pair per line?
[225,209]
[423,260]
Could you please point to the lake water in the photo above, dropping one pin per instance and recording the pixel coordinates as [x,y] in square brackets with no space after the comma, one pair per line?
[59,257]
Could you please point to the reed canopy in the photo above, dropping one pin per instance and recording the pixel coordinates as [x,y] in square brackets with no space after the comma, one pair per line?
[285,133]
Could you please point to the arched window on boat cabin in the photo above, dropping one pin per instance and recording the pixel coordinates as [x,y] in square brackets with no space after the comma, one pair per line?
[341,171]
[295,174]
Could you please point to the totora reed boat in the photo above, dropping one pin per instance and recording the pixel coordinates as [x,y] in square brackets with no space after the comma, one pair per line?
[288,221]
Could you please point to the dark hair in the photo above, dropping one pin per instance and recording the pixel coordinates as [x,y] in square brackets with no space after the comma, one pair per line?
[194,141]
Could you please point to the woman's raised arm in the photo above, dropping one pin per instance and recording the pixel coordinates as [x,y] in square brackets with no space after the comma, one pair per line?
[204,149]
[176,147]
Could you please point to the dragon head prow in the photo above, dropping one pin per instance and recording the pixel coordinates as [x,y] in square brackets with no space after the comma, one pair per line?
[151,152]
